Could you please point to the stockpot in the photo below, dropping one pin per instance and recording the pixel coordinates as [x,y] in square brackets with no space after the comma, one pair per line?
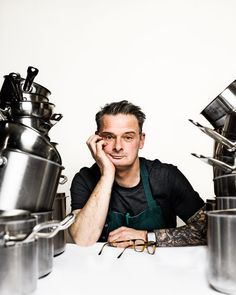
[59,212]
[221,265]
[19,247]
[216,111]
[35,89]
[23,138]
[27,181]
[226,202]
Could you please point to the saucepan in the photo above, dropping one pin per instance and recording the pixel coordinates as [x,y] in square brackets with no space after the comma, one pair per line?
[221,264]
[19,232]
[216,111]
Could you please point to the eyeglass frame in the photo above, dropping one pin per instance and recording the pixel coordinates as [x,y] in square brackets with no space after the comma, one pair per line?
[145,245]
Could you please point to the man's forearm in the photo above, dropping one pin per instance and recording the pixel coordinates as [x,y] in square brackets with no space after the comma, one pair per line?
[90,220]
[193,233]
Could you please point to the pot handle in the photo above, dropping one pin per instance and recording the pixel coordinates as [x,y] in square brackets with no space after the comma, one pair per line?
[31,74]
[55,118]
[64,180]
[231,146]
[215,162]
[3,161]
[54,225]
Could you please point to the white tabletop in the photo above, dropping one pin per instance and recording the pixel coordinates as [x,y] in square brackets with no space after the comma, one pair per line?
[80,270]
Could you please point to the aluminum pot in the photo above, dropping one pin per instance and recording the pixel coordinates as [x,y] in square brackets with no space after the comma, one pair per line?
[221,266]
[27,181]
[45,246]
[228,202]
[20,137]
[216,111]
[59,213]
[19,263]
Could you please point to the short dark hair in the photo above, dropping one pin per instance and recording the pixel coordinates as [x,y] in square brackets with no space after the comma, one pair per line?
[121,107]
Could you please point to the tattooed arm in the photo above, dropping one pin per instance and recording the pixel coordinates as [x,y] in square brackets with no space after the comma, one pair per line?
[191,234]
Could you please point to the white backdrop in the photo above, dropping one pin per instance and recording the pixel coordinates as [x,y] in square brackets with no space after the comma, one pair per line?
[170,57]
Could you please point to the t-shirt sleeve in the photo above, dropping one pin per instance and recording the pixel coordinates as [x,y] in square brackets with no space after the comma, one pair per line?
[186,201]
[81,188]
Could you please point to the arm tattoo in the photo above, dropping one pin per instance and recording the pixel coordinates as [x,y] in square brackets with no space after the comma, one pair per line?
[193,233]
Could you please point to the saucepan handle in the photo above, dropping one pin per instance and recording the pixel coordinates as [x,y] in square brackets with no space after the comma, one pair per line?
[54,226]
[64,179]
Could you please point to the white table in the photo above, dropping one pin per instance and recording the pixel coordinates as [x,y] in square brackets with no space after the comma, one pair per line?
[80,270]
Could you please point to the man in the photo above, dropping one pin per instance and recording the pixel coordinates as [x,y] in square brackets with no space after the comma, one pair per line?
[123,196]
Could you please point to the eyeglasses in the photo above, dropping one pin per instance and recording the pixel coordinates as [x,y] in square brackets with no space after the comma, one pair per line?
[138,245]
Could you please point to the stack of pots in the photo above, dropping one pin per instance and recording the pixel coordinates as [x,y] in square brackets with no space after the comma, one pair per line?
[221,113]
[221,238]
[30,172]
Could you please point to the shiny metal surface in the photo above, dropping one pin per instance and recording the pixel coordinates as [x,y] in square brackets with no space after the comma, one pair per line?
[225,185]
[43,110]
[28,182]
[20,137]
[18,268]
[215,112]
[226,202]
[59,213]
[221,269]
[35,89]
[45,246]
[34,97]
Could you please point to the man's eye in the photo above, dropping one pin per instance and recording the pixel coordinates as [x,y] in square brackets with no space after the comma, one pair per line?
[128,138]
[108,137]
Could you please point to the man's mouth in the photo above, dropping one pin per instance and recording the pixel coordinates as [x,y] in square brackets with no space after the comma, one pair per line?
[117,157]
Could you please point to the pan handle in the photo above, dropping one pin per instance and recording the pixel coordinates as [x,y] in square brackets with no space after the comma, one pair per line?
[54,225]
[64,179]
[215,162]
[230,145]
[31,74]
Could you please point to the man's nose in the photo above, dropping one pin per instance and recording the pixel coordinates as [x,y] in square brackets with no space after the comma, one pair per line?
[118,144]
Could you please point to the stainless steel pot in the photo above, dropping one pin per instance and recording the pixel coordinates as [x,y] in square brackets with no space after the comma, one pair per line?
[222,105]
[34,97]
[221,269]
[43,110]
[19,263]
[45,246]
[20,137]
[41,125]
[225,185]
[35,89]
[59,213]
[226,202]
[19,249]
[27,181]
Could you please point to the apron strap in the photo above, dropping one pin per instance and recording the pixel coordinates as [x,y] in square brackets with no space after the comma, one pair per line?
[146,184]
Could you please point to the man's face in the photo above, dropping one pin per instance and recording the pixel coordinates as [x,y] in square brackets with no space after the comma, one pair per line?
[122,138]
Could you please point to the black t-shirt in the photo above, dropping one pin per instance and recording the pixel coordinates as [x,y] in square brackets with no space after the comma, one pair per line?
[170,188]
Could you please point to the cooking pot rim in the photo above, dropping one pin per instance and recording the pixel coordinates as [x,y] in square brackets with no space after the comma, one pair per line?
[229,213]
[5,151]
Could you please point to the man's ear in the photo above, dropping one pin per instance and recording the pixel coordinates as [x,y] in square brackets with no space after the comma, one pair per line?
[142,140]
